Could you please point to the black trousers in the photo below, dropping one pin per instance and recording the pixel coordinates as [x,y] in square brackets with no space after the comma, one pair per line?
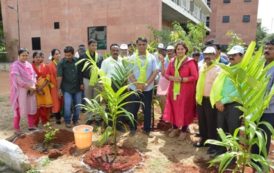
[229,119]
[207,117]
[144,97]
[268,117]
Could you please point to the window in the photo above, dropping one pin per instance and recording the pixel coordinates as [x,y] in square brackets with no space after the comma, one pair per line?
[226,19]
[207,21]
[36,43]
[99,33]
[208,3]
[56,25]
[247,0]
[246,18]
[226,1]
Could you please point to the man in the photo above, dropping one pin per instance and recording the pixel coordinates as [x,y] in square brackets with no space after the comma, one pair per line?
[268,114]
[163,82]
[196,56]
[91,53]
[222,93]
[70,84]
[206,114]
[160,50]
[142,80]
[221,57]
[81,51]
[131,48]
[123,51]
[109,65]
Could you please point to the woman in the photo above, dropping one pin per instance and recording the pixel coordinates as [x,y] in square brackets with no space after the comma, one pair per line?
[43,96]
[163,82]
[23,100]
[180,106]
[52,66]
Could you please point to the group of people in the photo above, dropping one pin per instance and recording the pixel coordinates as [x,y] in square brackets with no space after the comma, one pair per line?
[185,86]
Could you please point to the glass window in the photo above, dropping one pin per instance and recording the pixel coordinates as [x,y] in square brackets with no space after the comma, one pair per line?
[246,18]
[226,19]
[226,1]
[99,33]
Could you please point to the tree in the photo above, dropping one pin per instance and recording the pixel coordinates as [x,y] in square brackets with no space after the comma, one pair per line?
[261,34]
[235,40]
[193,35]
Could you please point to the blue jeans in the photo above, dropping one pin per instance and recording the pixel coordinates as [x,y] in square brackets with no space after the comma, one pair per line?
[72,99]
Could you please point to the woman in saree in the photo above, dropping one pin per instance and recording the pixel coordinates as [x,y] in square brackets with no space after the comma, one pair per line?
[52,66]
[43,96]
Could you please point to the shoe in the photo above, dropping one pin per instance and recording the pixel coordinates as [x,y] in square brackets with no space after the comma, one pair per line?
[148,134]
[33,128]
[58,121]
[199,144]
[182,136]
[75,123]
[173,133]
[68,125]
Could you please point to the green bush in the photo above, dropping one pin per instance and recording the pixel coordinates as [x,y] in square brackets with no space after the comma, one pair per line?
[3,57]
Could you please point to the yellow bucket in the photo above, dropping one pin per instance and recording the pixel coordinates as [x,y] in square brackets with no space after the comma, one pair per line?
[82,136]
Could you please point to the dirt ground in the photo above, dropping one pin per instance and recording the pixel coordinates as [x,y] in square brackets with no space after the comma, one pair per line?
[162,154]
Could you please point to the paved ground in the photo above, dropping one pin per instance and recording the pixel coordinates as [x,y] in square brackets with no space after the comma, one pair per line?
[4,84]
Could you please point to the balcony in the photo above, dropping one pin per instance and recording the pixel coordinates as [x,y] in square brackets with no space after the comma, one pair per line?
[185,10]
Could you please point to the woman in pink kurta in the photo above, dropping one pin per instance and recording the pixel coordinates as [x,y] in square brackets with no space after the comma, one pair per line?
[23,100]
[180,108]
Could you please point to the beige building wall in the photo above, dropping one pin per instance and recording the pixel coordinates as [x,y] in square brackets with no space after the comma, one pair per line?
[235,9]
[125,21]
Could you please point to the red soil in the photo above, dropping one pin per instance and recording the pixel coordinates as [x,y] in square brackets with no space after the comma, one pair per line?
[64,139]
[126,159]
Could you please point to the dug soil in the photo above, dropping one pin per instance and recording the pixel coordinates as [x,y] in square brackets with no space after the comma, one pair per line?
[104,159]
[32,144]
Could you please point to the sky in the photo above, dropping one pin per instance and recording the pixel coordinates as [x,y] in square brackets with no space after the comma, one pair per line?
[266,13]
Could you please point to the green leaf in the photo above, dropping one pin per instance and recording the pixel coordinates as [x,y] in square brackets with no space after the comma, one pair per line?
[105,136]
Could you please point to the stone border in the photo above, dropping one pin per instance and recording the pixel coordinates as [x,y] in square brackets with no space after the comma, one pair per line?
[5,67]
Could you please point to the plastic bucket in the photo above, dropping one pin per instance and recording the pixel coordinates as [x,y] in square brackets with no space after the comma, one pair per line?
[82,136]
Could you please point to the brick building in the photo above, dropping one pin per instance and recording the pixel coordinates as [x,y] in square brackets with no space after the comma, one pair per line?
[46,24]
[239,16]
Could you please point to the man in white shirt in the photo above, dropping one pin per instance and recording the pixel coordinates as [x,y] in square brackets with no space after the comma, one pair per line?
[109,65]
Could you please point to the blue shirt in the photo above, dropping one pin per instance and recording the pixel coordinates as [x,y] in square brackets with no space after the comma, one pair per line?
[151,67]
[270,108]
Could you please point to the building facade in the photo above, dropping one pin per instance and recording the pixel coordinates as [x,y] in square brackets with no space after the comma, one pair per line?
[239,16]
[46,24]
